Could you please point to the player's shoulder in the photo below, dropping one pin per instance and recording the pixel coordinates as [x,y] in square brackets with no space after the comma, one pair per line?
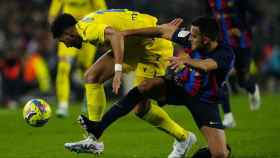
[87,20]
[225,50]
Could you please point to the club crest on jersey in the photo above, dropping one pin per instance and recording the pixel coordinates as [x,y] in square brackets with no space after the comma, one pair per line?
[183,33]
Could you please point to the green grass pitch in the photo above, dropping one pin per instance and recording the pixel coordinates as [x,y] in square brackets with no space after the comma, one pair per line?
[256,134]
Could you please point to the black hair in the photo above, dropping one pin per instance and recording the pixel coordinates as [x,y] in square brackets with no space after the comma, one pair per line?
[207,26]
[61,23]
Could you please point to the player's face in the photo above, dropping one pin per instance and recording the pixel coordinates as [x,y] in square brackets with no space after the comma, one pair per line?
[71,39]
[196,38]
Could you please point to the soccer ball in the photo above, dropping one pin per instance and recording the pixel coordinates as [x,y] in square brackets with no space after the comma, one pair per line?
[37,112]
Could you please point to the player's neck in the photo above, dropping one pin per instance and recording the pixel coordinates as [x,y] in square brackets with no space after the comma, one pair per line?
[75,31]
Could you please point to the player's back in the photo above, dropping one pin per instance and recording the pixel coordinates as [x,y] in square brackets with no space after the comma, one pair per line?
[122,19]
[148,50]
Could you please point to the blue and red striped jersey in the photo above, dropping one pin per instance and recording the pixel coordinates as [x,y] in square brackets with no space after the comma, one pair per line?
[203,85]
[234,14]
[191,79]
[224,57]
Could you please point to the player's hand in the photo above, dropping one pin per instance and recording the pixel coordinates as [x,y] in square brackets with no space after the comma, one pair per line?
[168,29]
[117,81]
[178,63]
[234,32]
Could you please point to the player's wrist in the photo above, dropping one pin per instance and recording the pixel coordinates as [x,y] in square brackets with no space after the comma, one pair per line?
[118,67]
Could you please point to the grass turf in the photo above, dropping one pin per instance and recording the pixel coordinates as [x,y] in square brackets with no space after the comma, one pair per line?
[256,134]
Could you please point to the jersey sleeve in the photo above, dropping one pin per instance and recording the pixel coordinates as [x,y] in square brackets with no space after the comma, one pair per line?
[95,32]
[181,37]
[92,32]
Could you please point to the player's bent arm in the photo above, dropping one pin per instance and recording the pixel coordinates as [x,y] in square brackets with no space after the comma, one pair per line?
[203,64]
[163,31]
[116,40]
[145,32]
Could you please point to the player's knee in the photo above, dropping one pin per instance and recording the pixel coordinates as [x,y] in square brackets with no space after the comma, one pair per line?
[91,77]
[142,108]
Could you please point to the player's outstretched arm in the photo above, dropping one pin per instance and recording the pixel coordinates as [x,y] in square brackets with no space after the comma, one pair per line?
[116,40]
[163,31]
[202,64]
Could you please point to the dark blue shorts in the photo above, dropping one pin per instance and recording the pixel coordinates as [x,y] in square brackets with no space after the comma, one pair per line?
[204,114]
[243,57]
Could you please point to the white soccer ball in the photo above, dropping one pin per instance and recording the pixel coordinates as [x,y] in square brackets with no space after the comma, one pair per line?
[37,112]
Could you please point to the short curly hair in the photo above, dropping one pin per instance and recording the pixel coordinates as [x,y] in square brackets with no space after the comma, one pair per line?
[61,23]
[207,26]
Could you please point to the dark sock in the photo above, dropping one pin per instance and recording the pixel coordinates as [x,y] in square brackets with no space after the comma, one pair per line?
[119,109]
[225,99]
[249,85]
[233,84]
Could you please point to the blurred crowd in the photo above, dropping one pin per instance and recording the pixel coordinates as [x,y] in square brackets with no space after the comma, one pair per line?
[25,42]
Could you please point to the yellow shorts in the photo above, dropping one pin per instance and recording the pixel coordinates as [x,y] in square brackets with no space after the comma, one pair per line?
[149,71]
[84,56]
[154,63]
[143,71]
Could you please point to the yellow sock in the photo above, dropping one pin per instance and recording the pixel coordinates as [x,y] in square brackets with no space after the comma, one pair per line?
[62,82]
[160,119]
[96,100]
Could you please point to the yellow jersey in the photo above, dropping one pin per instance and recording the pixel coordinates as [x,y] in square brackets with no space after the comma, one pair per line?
[77,8]
[137,49]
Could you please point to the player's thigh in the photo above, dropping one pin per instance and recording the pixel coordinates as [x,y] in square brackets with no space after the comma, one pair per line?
[66,58]
[142,107]
[86,55]
[204,114]
[101,70]
[152,88]
[148,80]
[173,94]
[216,141]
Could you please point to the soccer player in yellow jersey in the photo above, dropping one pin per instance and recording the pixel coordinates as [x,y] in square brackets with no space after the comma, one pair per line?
[78,9]
[144,55]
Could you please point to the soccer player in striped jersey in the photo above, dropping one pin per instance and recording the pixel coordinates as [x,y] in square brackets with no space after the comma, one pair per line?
[235,18]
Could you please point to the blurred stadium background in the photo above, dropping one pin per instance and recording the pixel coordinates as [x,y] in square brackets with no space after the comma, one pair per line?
[25,40]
